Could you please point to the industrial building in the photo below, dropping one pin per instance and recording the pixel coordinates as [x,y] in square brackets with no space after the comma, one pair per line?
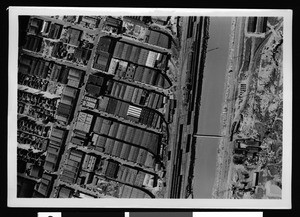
[124,141]
[135,95]
[123,174]
[74,36]
[45,185]
[142,115]
[34,26]
[33,43]
[83,122]
[103,53]
[72,166]
[55,31]
[158,38]
[113,25]
[89,162]
[125,121]
[65,107]
[75,77]
[94,85]
[82,54]
[140,56]
[88,21]
[54,149]
[65,192]
[138,73]
[33,66]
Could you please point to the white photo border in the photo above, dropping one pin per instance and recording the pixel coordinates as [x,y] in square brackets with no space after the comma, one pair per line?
[13,201]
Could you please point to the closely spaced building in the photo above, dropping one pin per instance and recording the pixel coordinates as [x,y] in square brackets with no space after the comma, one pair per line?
[55,31]
[75,36]
[46,184]
[53,151]
[65,192]
[72,166]
[103,53]
[65,109]
[35,26]
[33,43]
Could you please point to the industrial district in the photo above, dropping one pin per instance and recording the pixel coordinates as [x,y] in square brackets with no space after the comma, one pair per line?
[108,107]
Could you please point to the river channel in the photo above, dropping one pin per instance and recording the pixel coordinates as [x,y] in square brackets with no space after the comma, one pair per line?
[211,106]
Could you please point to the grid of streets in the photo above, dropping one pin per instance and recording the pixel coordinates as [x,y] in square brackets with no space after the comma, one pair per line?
[95,106]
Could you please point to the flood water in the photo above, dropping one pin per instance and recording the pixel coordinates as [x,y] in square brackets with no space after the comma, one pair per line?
[211,104]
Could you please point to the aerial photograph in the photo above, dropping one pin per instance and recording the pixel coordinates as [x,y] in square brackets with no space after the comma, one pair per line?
[150,107]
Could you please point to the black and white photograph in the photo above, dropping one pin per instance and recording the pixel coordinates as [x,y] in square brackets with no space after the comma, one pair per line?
[153,107]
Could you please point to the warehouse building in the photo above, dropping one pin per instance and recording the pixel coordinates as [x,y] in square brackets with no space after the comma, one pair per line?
[33,66]
[138,73]
[75,77]
[141,115]
[113,25]
[34,26]
[82,54]
[140,56]
[72,166]
[89,21]
[33,43]
[57,138]
[89,162]
[103,53]
[83,122]
[65,192]
[136,95]
[65,109]
[125,141]
[55,31]
[89,102]
[159,39]
[74,36]
[94,85]
[45,185]
[101,61]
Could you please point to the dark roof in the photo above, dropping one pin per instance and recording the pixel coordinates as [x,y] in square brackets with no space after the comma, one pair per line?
[93,89]
[59,133]
[74,36]
[55,31]
[102,60]
[65,192]
[64,109]
[77,141]
[36,171]
[49,166]
[97,80]
[113,21]
[112,169]
[104,44]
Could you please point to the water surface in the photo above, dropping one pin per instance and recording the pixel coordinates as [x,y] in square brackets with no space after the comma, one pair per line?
[211,106]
